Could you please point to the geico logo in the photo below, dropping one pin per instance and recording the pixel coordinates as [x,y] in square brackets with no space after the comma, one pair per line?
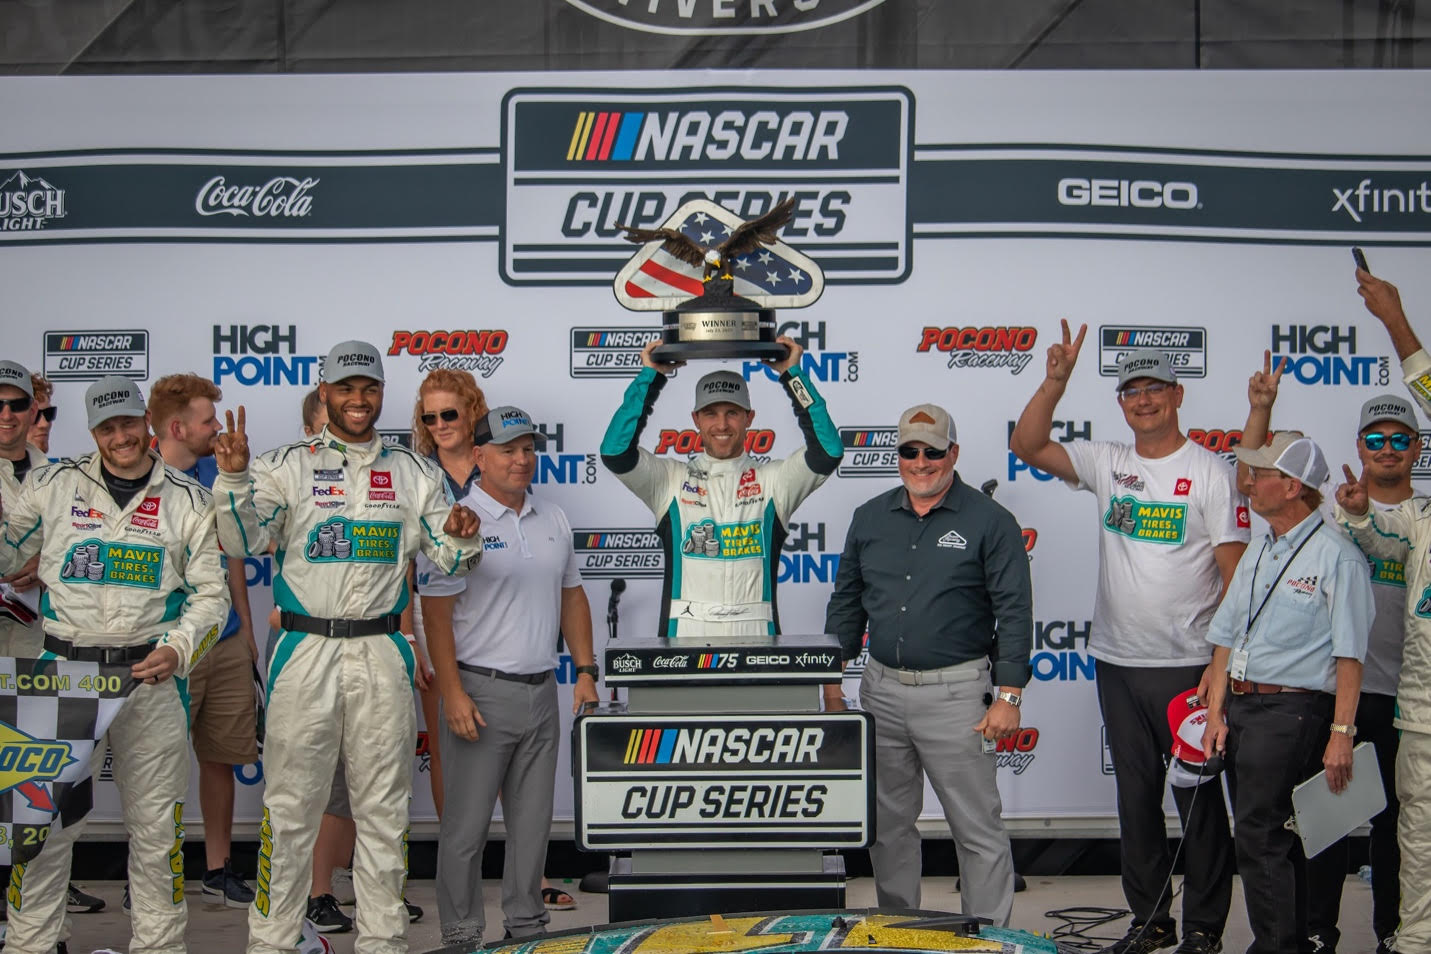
[816,212]
[768,660]
[33,760]
[448,342]
[798,800]
[978,339]
[688,441]
[266,371]
[1215,439]
[783,134]
[788,746]
[1138,193]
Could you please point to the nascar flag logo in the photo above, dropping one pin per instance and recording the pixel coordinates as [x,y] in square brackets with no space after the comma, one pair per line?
[775,276]
[53,714]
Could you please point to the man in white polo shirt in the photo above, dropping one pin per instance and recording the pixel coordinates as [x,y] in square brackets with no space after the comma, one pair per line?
[493,637]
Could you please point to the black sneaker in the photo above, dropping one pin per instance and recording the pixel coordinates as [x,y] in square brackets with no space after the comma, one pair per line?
[224,884]
[1197,942]
[326,917]
[414,913]
[1143,939]
[80,903]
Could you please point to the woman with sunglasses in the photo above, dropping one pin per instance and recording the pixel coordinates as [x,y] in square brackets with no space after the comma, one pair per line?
[45,413]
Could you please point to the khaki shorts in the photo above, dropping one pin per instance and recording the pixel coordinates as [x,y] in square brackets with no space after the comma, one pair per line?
[221,714]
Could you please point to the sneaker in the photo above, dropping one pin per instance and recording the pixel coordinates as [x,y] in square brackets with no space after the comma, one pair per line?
[327,919]
[1198,942]
[343,886]
[80,903]
[224,884]
[414,913]
[1143,939]
[125,903]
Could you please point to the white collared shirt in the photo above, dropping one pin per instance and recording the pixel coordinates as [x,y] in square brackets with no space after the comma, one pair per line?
[508,610]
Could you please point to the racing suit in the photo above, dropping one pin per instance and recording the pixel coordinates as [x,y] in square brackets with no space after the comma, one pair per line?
[721,522]
[20,630]
[345,521]
[148,572]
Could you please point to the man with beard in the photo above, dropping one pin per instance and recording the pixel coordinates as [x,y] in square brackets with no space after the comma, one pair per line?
[222,725]
[721,516]
[158,608]
[345,513]
[20,630]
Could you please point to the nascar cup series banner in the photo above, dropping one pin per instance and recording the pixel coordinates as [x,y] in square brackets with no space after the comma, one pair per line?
[241,226]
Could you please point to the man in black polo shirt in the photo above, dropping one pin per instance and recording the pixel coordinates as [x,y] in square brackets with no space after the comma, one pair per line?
[933,567]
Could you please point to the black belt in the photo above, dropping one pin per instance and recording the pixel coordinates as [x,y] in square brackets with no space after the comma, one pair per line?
[96,654]
[530,678]
[340,628]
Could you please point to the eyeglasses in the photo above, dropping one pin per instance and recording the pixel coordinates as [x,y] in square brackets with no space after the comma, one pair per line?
[1376,440]
[1259,472]
[48,413]
[1151,390]
[447,414]
[909,452]
[17,405]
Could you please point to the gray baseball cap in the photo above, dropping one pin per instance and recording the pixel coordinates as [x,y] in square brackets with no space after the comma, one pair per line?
[1388,407]
[352,359]
[112,396]
[506,423]
[1145,363]
[722,387]
[1291,453]
[929,424]
[14,375]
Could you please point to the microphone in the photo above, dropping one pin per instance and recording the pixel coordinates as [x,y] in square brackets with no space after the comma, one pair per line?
[618,586]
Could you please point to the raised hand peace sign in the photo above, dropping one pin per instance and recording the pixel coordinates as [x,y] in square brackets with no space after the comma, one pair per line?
[231,448]
[1062,357]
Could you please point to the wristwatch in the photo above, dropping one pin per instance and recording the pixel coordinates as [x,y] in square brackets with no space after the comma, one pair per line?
[1012,698]
[594,671]
[1347,730]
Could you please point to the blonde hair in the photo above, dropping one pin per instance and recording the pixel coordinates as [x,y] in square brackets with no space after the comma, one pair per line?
[460,383]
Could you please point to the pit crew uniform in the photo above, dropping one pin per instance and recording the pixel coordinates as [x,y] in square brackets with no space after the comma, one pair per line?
[20,630]
[721,522]
[121,580]
[345,520]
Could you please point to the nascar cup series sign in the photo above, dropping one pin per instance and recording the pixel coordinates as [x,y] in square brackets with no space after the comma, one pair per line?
[698,781]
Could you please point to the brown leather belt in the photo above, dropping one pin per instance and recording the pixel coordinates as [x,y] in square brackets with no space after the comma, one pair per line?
[1244,687]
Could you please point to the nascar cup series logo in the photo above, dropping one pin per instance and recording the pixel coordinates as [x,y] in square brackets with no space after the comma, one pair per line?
[580,163]
[625,553]
[717,17]
[91,355]
[609,352]
[28,203]
[869,452]
[1186,348]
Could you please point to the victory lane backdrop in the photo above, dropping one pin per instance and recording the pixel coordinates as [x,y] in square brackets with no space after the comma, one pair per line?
[241,226]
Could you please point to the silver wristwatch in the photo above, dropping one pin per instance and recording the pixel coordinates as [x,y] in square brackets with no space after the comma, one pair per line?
[1012,698]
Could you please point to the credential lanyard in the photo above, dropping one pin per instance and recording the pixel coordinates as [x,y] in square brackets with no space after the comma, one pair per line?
[1251,616]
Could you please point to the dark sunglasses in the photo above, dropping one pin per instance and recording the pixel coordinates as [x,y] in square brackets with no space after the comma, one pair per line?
[447,414]
[17,405]
[930,453]
[1376,440]
[48,413]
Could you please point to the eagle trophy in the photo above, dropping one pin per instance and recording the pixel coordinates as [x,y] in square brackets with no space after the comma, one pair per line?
[746,237]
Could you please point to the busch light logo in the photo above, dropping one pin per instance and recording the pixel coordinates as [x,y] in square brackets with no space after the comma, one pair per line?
[817,363]
[28,202]
[282,197]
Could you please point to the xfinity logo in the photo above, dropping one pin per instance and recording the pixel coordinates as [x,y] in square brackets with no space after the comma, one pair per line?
[729,17]
[1122,193]
[1364,198]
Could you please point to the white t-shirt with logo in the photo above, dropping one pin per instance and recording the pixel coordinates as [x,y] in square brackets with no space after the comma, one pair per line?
[1158,582]
[1381,673]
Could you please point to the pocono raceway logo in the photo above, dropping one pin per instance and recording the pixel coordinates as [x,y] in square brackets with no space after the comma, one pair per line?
[262,356]
[91,355]
[609,352]
[619,553]
[1222,441]
[817,363]
[280,197]
[581,163]
[982,347]
[478,352]
[724,17]
[28,202]
[1186,348]
[1016,753]
[1327,355]
[556,467]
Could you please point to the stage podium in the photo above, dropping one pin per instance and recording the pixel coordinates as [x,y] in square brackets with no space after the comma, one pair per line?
[722,777]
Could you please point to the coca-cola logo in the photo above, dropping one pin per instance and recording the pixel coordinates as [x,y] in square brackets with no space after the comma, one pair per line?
[279,197]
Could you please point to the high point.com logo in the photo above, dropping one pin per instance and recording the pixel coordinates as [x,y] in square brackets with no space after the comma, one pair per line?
[262,356]
[1064,432]
[1327,355]
[804,558]
[817,363]
[555,467]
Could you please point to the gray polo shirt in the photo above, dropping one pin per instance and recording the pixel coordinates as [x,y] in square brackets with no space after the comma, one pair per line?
[933,589]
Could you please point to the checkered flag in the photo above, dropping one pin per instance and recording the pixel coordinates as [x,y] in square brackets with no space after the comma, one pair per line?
[53,714]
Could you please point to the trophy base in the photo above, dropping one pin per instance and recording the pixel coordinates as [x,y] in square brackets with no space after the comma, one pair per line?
[699,350]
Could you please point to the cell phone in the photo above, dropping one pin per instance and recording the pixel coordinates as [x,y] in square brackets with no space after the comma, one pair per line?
[1360,258]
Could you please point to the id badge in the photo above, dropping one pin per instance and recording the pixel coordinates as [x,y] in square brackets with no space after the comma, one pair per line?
[1239,664]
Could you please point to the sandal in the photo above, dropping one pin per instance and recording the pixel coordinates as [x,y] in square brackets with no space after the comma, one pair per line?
[557,900]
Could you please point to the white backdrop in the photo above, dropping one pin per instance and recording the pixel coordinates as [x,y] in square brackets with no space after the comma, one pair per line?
[476,203]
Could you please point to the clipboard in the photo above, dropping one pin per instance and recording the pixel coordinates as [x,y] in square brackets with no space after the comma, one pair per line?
[1322,818]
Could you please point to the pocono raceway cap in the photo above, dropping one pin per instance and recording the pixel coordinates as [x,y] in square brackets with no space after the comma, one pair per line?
[1145,363]
[352,359]
[1291,453]
[1383,407]
[722,386]
[112,396]
[506,423]
[929,424]
[15,376]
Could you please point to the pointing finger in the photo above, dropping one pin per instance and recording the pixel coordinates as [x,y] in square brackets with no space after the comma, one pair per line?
[1266,362]
[229,422]
[1082,330]
[1067,334]
[241,419]
[1351,479]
